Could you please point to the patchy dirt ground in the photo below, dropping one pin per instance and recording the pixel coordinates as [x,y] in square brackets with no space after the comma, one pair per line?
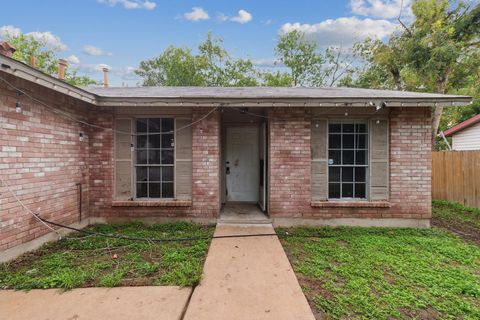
[460,220]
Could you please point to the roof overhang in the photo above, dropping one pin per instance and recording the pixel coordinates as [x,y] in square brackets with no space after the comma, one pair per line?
[97,98]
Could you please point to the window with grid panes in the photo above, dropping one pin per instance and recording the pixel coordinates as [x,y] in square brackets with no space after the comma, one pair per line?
[154,157]
[347,160]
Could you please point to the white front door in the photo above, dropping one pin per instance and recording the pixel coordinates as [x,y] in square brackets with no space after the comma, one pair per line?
[242,164]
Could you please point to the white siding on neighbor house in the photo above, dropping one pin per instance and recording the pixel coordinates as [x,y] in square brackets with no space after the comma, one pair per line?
[467,139]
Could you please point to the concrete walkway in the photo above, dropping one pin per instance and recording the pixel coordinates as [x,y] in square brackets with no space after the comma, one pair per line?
[126,303]
[247,278]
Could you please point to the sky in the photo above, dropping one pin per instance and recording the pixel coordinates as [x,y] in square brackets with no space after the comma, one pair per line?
[120,33]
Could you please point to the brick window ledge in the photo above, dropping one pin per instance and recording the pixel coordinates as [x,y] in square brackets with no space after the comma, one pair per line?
[150,203]
[350,204]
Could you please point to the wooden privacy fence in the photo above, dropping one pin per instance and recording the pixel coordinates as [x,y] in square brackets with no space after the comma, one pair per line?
[456,177]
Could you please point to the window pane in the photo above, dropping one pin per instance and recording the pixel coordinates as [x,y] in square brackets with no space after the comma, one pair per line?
[359,190]
[360,128]
[141,190]
[167,156]
[334,190]
[153,125]
[141,174]
[360,157]
[154,173]
[141,142]
[167,174]
[347,174]
[348,141]
[334,174]
[142,125]
[334,127]
[153,156]
[347,128]
[167,141]
[347,190]
[348,157]
[167,125]
[360,141]
[154,141]
[142,157]
[335,156]
[360,174]
[167,190]
[154,190]
[334,141]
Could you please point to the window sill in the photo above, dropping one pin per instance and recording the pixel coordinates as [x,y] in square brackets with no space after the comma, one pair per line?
[152,203]
[350,204]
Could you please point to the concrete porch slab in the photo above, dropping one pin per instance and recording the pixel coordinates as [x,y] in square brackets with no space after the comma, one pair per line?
[248,278]
[125,303]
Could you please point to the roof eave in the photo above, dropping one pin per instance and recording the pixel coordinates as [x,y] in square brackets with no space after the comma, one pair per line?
[26,72]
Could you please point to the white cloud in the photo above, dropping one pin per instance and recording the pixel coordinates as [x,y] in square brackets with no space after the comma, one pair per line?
[95,51]
[196,14]
[46,37]
[386,9]
[130,4]
[267,62]
[73,59]
[9,31]
[242,17]
[49,39]
[343,31]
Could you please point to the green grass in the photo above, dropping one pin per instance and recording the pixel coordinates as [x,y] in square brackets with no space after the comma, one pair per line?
[380,273]
[454,212]
[88,261]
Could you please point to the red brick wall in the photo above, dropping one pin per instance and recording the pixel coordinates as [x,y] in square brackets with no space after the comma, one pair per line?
[410,171]
[42,159]
[205,171]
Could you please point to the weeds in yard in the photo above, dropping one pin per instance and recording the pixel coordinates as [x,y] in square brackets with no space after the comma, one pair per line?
[355,273]
[85,261]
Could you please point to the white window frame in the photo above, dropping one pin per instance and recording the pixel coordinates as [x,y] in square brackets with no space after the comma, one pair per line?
[341,149]
[136,165]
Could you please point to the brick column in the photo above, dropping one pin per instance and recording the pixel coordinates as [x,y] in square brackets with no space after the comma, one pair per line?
[289,163]
[410,162]
[206,163]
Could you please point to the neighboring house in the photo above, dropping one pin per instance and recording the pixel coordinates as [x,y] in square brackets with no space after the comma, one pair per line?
[465,135]
[335,156]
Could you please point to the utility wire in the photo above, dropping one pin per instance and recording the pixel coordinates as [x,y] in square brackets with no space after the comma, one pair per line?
[26,208]
[49,225]
[67,115]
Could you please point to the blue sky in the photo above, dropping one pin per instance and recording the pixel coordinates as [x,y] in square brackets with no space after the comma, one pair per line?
[120,33]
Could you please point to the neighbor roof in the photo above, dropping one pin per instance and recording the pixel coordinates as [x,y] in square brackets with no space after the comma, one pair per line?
[463,125]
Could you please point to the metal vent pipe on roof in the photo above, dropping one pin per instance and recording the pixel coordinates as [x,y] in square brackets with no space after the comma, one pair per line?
[105,77]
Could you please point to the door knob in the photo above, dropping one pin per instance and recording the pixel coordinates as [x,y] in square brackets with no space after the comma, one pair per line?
[228,170]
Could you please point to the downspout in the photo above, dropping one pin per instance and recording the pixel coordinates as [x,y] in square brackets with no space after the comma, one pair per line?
[442,135]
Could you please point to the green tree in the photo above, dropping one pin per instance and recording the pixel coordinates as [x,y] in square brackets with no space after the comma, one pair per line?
[437,52]
[308,65]
[277,79]
[301,57]
[46,58]
[174,67]
[212,67]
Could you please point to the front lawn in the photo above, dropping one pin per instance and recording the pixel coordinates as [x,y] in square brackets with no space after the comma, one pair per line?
[89,261]
[380,273]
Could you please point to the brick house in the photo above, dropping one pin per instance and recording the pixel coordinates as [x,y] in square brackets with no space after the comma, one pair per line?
[335,156]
